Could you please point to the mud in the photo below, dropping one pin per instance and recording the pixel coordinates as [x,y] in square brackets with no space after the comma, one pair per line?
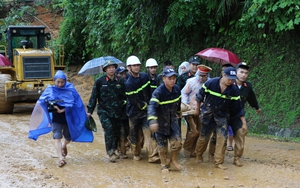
[28,163]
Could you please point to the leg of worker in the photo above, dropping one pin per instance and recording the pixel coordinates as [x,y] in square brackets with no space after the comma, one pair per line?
[191,137]
[162,142]
[212,146]
[151,145]
[175,146]
[208,125]
[239,139]
[221,131]
[230,138]
[108,136]
[134,136]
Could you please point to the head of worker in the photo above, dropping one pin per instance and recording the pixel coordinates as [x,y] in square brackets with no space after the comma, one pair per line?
[224,66]
[228,76]
[183,67]
[121,71]
[194,61]
[169,77]
[202,73]
[133,65]
[151,66]
[242,71]
[110,68]
[168,64]
[60,79]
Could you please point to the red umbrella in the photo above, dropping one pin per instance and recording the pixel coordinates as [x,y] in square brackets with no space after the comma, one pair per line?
[219,55]
[4,61]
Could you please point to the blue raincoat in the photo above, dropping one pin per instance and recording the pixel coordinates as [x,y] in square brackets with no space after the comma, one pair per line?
[40,120]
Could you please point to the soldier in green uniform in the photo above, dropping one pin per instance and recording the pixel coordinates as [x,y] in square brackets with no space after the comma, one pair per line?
[109,93]
[194,61]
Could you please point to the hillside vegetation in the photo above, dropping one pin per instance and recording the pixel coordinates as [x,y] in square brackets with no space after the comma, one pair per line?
[265,34]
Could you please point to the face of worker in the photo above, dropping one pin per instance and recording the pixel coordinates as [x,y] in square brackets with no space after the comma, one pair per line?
[110,70]
[135,69]
[203,77]
[193,68]
[59,82]
[183,69]
[169,81]
[242,74]
[122,75]
[152,70]
[227,81]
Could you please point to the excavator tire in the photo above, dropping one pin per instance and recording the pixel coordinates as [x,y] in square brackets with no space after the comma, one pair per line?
[6,107]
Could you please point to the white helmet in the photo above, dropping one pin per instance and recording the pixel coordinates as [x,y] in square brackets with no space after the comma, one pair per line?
[133,60]
[151,63]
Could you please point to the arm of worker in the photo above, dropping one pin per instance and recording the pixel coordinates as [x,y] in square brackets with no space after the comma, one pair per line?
[199,99]
[93,98]
[152,111]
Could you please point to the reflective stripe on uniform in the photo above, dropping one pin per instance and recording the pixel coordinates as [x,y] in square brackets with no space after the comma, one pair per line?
[152,118]
[145,106]
[153,86]
[219,94]
[139,89]
[165,102]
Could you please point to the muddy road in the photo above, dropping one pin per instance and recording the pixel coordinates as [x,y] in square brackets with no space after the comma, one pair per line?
[28,163]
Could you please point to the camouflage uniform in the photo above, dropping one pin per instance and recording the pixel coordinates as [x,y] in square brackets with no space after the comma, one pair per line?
[110,95]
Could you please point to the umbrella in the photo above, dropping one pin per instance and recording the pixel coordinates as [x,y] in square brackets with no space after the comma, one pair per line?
[4,61]
[219,55]
[94,66]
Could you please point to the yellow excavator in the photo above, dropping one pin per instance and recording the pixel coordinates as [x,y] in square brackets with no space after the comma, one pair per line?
[32,67]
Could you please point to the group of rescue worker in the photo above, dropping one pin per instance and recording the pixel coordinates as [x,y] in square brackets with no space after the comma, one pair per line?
[138,109]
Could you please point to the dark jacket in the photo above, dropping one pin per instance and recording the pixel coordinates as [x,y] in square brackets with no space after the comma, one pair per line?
[138,94]
[153,82]
[110,95]
[220,104]
[181,80]
[163,107]
[247,95]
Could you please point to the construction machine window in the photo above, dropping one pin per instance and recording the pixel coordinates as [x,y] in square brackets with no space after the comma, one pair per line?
[24,41]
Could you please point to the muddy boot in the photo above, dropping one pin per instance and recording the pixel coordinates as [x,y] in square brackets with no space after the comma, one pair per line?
[237,162]
[113,158]
[135,153]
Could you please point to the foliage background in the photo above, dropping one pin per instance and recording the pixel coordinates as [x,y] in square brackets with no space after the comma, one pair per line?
[265,34]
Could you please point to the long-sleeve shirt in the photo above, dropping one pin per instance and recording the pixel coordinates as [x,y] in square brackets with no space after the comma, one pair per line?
[110,96]
[247,95]
[163,108]
[220,104]
[189,91]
